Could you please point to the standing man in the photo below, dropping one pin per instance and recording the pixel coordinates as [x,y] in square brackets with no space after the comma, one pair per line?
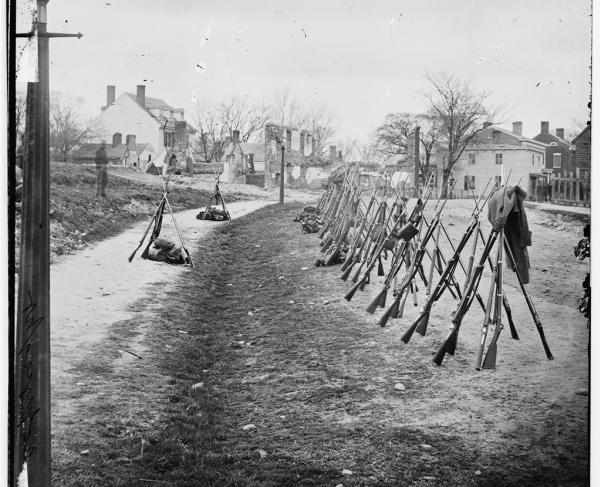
[101,170]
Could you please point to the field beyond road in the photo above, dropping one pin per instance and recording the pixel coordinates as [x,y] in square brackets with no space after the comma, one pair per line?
[256,372]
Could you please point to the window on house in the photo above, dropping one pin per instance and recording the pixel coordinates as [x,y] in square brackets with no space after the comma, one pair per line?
[471,158]
[498,158]
[556,162]
[469,182]
[495,137]
[533,159]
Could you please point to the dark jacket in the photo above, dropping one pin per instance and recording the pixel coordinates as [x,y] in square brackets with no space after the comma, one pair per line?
[505,210]
[100,157]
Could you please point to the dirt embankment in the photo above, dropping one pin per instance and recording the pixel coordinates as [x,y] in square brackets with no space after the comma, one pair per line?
[255,371]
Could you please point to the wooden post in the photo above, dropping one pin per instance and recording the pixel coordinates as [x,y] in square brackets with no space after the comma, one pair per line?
[417,143]
[282,175]
[32,350]
[32,371]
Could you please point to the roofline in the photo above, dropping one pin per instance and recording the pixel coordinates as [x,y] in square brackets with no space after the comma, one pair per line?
[587,127]
[521,138]
[145,110]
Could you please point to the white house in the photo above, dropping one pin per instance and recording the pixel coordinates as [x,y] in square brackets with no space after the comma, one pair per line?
[151,120]
[495,150]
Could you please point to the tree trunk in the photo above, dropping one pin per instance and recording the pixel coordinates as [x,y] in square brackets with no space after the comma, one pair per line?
[445,178]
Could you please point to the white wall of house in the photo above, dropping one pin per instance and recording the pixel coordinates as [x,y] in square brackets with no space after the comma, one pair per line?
[127,117]
[480,163]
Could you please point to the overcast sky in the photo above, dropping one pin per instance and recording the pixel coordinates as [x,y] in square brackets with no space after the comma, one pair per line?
[363,58]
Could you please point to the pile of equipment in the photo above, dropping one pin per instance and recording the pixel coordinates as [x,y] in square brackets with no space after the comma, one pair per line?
[161,249]
[215,209]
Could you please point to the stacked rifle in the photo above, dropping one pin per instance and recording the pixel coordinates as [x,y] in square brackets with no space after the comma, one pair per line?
[366,227]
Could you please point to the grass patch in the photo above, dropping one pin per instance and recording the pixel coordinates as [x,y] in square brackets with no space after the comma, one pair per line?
[78,219]
[314,379]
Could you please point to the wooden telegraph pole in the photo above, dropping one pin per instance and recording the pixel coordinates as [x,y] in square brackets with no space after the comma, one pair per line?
[417,155]
[31,355]
[282,178]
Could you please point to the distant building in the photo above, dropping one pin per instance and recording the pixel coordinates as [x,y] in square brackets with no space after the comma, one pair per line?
[559,152]
[117,153]
[495,149]
[248,157]
[151,120]
[583,154]
[260,163]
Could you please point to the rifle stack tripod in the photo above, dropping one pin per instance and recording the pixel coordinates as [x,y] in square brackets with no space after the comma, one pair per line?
[217,199]
[156,224]
[373,225]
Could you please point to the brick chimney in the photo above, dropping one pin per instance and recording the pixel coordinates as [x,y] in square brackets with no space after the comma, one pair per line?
[236,137]
[332,152]
[518,128]
[130,141]
[545,128]
[487,124]
[141,95]
[110,94]
[117,139]
[560,133]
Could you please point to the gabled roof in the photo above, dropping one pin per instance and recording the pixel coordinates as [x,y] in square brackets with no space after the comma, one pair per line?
[88,151]
[554,138]
[509,133]
[152,102]
[586,129]
[142,147]
[158,103]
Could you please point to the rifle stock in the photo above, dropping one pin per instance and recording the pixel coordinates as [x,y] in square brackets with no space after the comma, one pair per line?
[513,331]
[348,270]
[423,321]
[350,294]
[377,301]
[486,319]
[438,358]
[387,314]
[348,261]
[409,333]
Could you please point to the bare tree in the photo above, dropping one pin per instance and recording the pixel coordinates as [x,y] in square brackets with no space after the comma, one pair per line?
[320,122]
[211,130]
[392,135]
[284,109]
[430,135]
[240,113]
[368,153]
[67,127]
[460,111]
